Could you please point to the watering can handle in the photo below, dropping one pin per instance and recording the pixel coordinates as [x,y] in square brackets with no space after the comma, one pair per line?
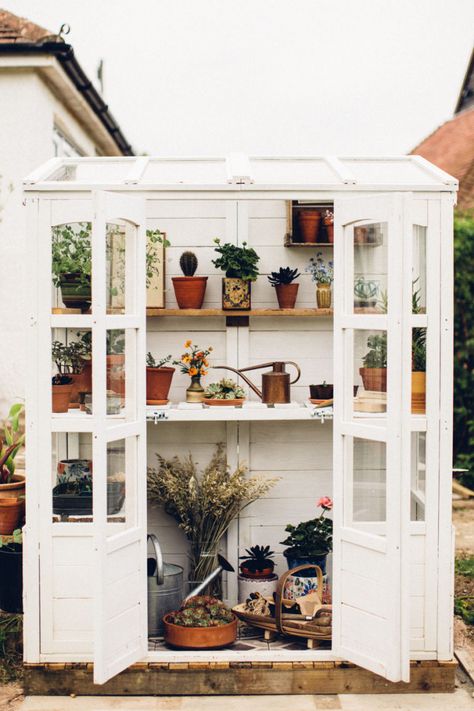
[160,572]
[291,362]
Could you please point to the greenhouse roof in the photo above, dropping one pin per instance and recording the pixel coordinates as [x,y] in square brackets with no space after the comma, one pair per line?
[238,171]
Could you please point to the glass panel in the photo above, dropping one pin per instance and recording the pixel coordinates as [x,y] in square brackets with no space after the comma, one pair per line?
[418,476]
[370,267]
[71,477]
[71,267]
[121,467]
[370,371]
[369,481]
[419,269]
[116,370]
[71,370]
[418,375]
[120,265]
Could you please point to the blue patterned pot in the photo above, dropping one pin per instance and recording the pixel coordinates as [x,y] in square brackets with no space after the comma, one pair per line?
[294,562]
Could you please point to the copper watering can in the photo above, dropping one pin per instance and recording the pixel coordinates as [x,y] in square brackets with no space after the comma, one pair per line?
[275,384]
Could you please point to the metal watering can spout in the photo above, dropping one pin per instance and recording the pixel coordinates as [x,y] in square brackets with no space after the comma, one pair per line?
[223,565]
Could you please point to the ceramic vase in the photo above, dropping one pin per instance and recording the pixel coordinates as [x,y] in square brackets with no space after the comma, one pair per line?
[195,392]
[323,296]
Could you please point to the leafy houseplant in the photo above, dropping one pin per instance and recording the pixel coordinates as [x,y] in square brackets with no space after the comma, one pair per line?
[74,360]
[310,541]
[158,379]
[72,263]
[286,291]
[12,485]
[365,292]
[202,622]
[153,260]
[194,363]
[374,370]
[225,392]
[189,289]
[258,562]
[11,572]
[240,265]
[204,504]
[418,362]
[323,275]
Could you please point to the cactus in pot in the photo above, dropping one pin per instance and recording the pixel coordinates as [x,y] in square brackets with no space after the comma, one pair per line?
[189,289]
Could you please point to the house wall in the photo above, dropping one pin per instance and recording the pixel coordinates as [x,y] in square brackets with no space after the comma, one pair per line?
[29,113]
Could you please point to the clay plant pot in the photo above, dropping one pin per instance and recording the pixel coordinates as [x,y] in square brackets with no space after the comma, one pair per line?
[81,383]
[116,373]
[321,392]
[189,291]
[286,295]
[158,383]
[374,379]
[418,392]
[12,512]
[74,294]
[214,402]
[256,575]
[329,231]
[62,397]
[309,225]
[15,489]
[200,637]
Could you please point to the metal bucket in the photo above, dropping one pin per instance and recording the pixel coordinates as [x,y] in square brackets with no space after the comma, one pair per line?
[165,589]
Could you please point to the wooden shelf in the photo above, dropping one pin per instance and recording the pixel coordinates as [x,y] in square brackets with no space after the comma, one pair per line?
[237,414]
[277,313]
[289,243]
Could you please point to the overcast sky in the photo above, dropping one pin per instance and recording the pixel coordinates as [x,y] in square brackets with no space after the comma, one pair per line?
[206,77]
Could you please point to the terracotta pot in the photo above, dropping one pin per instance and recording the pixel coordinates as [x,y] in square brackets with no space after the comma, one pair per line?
[418,392]
[12,511]
[200,637]
[212,402]
[265,573]
[329,232]
[286,295]
[81,382]
[15,489]
[62,397]
[116,373]
[323,296]
[236,294]
[189,291]
[158,383]
[309,225]
[374,379]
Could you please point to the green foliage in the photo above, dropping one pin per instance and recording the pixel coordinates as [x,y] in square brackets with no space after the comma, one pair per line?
[376,357]
[17,537]
[237,262]
[464,606]
[152,258]
[465,566]
[72,252]
[115,342]
[284,276]
[10,443]
[418,342]
[11,633]
[70,359]
[464,343]
[152,363]
[202,611]
[188,263]
[310,538]
[225,389]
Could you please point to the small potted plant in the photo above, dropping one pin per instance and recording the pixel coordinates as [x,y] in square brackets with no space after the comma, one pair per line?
[418,360]
[194,363]
[202,622]
[11,572]
[225,392]
[12,484]
[310,541]
[324,391]
[258,562]
[322,274]
[286,290]
[309,219]
[328,220]
[240,265]
[365,293]
[189,289]
[158,379]
[374,370]
[72,264]
[61,386]
[73,361]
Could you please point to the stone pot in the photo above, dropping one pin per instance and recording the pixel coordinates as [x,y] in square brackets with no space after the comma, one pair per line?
[309,225]
[418,392]
[374,379]
[286,295]
[200,637]
[189,291]
[158,384]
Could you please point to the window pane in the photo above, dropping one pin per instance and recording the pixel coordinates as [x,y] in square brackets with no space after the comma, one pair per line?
[370,267]
[370,371]
[71,267]
[418,476]
[419,269]
[120,267]
[369,481]
[120,468]
[71,364]
[71,477]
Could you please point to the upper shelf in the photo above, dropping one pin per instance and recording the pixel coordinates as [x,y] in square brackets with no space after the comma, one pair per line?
[294,313]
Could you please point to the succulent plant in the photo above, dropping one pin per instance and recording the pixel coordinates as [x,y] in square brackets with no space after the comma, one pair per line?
[188,263]
[258,558]
[225,389]
[285,276]
[202,611]
[152,363]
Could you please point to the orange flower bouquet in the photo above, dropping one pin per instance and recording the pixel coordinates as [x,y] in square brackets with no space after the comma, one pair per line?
[194,362]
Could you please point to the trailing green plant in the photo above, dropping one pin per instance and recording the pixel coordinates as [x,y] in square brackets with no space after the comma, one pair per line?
[152,363]
[237,262]
[225,389]
[72,253]
[258,558]
[153,261]
[202,611]
[69,359]
[285,275]
[365,289]
[310,538]
[376,356]
[188,263]
[11,442]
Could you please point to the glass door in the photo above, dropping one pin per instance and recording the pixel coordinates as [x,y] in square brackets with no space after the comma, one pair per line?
[372,352]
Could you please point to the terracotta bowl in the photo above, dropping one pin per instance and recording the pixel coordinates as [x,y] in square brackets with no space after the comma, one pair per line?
[200,637]
[238,402]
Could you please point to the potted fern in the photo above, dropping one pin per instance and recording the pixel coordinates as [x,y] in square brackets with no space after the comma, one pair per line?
[158,379]
[189,289]
[286,290]
[240,265]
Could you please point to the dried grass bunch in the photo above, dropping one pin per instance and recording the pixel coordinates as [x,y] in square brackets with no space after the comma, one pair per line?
[204,504]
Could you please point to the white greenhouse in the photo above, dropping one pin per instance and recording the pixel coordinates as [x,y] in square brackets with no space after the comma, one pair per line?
[377,443]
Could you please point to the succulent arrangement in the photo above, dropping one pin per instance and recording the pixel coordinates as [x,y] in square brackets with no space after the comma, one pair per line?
[202,611]
[225,389]
[285,275]
[258,560]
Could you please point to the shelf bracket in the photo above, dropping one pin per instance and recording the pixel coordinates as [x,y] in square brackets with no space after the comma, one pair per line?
[159,415]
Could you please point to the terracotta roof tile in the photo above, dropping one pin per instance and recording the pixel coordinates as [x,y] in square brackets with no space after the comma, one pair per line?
[19,29]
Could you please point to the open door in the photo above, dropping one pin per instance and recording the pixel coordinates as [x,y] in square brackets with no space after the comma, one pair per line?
[119,438]
[372,410]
